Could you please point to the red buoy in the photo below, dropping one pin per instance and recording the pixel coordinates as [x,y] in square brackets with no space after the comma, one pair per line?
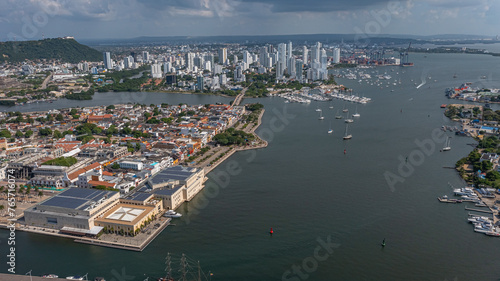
[271,232]
[345,151]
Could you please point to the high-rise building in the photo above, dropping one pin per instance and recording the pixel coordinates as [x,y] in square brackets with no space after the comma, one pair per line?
[209,58]
[189,61]
[222,55]
[323,59]
[217,69]
[336,55]
[222,79]
[198,62]
[85,67]
[145,56]
[281,63]
[128,62]
[315,52]
[263,55]
[200,83]
[107,60]
[235,59]
[298,69]
[305,54]
[207,65]
[167,67]
[156,71]
[279,70]
[289,55]
[291,67]
[247,57]
[170,79]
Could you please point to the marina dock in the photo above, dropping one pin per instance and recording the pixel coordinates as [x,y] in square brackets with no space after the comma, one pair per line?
[477,210]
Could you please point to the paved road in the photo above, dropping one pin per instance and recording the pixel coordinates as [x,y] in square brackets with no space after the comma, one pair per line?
[240,96]
[47,79]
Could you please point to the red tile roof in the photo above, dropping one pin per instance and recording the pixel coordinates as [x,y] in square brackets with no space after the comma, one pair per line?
[78,172]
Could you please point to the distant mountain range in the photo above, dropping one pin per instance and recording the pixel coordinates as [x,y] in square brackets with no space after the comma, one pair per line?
[63,49]
[380,39]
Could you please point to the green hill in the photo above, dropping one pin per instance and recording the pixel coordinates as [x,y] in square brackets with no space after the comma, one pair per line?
[66,50]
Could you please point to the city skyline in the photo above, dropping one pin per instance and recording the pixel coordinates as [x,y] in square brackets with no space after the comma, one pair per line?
[36,19]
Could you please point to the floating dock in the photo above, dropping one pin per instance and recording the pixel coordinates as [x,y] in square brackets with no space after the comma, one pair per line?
[477,210]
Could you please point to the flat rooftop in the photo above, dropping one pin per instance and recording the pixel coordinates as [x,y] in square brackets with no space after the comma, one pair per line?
[173,173]
[125,214]
[77,198]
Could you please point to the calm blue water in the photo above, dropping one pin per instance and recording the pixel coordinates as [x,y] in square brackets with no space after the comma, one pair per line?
[305,188]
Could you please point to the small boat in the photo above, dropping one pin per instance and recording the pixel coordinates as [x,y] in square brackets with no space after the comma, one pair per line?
[447,147]
[172,214]
[330,130]
[346,136]
[347,119]
[321,117]
[318,109]
[76,277]
[338,116]
[492,233]
[50,276]
[356,114]
[383,243]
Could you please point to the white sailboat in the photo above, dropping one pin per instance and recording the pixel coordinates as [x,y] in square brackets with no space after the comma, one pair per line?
[338,116]
[321,115]
[345,109]
[330,130]
[347,119]
[447,146]
[346,136]
[356,114]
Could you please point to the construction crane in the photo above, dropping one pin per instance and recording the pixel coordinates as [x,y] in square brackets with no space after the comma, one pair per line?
[404,57]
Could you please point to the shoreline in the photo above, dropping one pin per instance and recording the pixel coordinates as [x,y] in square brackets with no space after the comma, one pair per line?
[232,150]
[485,199]
[137,243]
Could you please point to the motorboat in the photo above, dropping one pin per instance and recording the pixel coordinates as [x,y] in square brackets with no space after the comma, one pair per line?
[76,277]
[172,214]
[447,146]
[50,276]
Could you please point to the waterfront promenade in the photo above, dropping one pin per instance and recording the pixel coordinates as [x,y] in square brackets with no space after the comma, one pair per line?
[137,243]
[228,151]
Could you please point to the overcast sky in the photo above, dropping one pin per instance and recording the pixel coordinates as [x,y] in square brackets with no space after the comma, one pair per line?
[32,19]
